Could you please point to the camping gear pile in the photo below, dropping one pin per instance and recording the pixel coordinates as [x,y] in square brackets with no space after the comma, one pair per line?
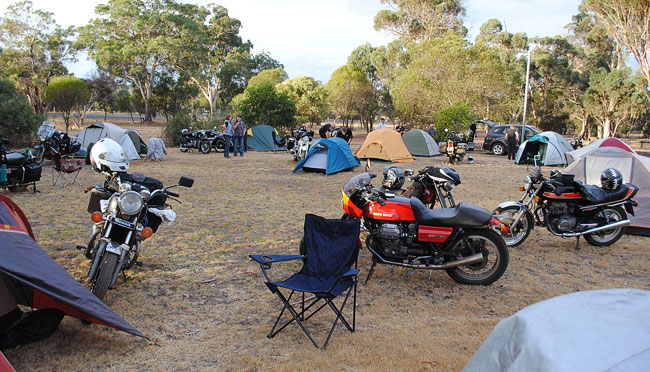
[18,169]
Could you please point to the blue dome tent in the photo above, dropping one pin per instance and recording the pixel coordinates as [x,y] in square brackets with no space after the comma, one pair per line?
[329,155]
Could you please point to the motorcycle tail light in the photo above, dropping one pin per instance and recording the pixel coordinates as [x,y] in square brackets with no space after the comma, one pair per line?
[147,232]
[521,188]
[97,217]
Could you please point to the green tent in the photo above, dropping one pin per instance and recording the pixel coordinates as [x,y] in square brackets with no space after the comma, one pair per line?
[420,143]
[263,138]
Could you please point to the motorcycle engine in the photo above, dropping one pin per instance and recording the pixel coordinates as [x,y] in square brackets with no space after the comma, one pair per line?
[395,240]
[561,216]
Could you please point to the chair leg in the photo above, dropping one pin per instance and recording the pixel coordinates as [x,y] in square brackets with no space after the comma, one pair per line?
[272,334]
[295,316]
[339,315]
[372,270]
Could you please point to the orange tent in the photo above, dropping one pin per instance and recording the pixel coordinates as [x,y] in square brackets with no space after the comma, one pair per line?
[384,144]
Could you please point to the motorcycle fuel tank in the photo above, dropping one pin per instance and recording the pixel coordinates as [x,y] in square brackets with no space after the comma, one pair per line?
[394,209]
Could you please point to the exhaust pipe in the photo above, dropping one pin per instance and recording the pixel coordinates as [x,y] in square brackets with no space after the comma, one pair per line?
[615,225]
[476,258]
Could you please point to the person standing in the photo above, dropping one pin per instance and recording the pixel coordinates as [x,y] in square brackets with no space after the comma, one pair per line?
[400,128]
[512,136]
[227,135]
[382,124]
[239,130]
[432,130]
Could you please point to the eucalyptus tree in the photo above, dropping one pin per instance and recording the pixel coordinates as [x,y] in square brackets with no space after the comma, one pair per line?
[348,88]
[309,96]
[65,94]
[136,39]
[33,49]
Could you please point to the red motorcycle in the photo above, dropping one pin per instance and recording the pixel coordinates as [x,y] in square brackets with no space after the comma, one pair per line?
[462,240]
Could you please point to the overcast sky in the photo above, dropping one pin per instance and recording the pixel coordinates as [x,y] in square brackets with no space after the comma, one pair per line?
[315,37]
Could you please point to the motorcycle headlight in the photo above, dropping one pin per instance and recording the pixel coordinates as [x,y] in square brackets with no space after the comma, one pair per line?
[527,182]
[131,202]
[448,186]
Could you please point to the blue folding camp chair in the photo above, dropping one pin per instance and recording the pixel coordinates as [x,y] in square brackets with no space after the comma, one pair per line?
[331,250]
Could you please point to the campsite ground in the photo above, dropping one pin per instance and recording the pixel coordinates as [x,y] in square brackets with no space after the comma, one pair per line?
[205,304]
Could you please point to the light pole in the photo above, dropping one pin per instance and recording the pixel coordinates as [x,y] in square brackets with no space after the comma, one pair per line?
[523,124]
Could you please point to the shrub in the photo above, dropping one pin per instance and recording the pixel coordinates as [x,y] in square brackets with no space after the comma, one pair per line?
[172,132]
[18,121]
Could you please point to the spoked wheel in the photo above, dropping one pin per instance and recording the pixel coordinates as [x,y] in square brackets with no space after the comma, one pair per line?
[219,145]
[495,257]
[519,233]
[205,147]
[105,275]
[608,237]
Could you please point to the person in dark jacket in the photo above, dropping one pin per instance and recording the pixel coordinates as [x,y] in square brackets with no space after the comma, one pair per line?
[512,137]
[346,134]
[326,129]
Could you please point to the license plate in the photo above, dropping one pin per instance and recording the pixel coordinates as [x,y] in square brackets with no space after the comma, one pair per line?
[123,223]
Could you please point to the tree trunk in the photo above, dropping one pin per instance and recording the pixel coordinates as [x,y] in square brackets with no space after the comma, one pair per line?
[607,127]
[585,120]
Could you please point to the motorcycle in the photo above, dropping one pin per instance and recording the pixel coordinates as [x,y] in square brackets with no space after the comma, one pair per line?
[298,144]
[433,185]
[404,232]
[125,211]
[54,144]
[190,139]
[18,169]
[213,139]
[567,208]
[576,143]
[455,147]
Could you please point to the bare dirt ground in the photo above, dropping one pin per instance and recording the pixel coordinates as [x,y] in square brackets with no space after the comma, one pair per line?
[204,302]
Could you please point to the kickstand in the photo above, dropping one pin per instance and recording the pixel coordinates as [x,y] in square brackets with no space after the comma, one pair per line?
[577,242]
[372,270]
[430,274]
[124,276]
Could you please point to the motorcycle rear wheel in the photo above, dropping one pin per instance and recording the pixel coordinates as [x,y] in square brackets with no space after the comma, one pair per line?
[608,237]
[219,145]
[495,254]
[105,275]
[519,233]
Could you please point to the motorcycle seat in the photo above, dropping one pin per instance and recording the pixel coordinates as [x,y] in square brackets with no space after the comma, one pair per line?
[598,195]
[15,158]
[462,215]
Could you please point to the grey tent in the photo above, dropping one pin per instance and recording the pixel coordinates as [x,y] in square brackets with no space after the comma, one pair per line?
[156,149]
[420,143]
[262,138]
[551,147]
[130,140]
[634,168]
[603,330]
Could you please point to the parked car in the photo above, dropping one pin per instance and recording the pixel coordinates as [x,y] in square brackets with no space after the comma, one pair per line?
[495,139]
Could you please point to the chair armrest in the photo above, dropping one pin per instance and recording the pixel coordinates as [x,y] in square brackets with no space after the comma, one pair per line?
[351,272]
[269,259]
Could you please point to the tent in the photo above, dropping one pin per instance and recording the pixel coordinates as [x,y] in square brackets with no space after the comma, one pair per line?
[37,281]
[420,143]
[156,149]
[551,147]
[601,330]
[261,138]
[634,168]
[384,144]
[329,155]
[604,142]
[130,139]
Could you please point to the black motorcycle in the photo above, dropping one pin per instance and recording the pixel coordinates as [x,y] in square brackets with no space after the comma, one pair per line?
[576,143]
[190,139]
[567,208]
[18,169]
[125,211]
[455,147]
[298,143]
[213,139]
[433,185]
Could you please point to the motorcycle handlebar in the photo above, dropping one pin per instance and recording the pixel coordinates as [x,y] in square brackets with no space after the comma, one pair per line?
[172,194]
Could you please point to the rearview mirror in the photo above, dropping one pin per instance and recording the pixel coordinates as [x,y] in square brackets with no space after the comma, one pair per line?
[408,172]
[186,181]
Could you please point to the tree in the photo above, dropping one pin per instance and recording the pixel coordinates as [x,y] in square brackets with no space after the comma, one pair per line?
[263,104]
[273,77]
[135,39]
[18,121]
[33,50]
[362,58]
[609,97]
[172,93]
[418,20]
[239,69]
[348,89]
[309,96]
[628,21]
[456,116]
[104,87]
[67,93]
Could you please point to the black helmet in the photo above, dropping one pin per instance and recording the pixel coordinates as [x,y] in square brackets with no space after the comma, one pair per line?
[611,179]
[393,178]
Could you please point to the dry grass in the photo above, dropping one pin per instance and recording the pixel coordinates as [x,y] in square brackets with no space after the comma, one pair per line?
[405,320]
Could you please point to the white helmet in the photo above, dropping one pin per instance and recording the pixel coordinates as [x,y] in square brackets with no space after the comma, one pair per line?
[108,155]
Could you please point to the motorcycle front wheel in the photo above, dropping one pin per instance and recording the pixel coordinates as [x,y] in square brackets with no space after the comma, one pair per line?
[495,257]
[205,147]
[219,145]
[105,275]
[608,237]
[518,234]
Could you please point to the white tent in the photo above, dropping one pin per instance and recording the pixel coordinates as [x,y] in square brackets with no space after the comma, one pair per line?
[603,330]
[634,168]
[603,142]
[130,140]
[550,145]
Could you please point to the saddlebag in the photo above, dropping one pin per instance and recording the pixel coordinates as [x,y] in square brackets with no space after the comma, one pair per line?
[97,194]
[32,172]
